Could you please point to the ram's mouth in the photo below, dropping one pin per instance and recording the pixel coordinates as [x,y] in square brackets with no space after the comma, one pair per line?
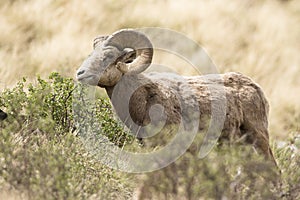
[88,79]
[84,77]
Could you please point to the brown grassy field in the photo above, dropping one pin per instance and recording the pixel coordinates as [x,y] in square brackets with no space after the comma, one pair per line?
[259,38]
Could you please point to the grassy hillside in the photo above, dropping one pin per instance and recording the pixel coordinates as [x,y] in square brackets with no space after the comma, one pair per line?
[259,38]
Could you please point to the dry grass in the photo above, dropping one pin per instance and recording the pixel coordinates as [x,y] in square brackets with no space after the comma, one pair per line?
[258,38]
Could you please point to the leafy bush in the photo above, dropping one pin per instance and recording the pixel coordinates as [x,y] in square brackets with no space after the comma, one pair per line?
[39,152]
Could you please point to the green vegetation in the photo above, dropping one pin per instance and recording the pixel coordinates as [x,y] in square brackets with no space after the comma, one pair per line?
[42,156]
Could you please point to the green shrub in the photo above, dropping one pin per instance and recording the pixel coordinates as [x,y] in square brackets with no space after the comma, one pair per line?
[39,152]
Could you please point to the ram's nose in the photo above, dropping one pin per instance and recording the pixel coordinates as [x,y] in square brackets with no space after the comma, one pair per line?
[80,72]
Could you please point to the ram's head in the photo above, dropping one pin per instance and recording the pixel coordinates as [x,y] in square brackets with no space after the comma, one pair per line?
[124,52]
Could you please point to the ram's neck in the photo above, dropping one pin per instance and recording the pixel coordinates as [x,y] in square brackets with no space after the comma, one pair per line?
[109,90]
[124,97]
[126,85]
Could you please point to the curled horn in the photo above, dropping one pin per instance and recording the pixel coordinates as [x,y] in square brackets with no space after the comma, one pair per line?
[139,42]
[99,39]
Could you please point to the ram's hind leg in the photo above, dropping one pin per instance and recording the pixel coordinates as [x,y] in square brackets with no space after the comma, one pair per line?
[259,138]
[263,145]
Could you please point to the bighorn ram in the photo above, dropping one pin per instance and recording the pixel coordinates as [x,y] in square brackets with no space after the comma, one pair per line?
[3,115]
[117,63]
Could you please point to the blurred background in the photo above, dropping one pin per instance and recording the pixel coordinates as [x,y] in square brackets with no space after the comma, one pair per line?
[259,38]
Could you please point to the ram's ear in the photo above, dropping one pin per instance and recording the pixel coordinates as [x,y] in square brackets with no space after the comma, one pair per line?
[99,39]
[127,56]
